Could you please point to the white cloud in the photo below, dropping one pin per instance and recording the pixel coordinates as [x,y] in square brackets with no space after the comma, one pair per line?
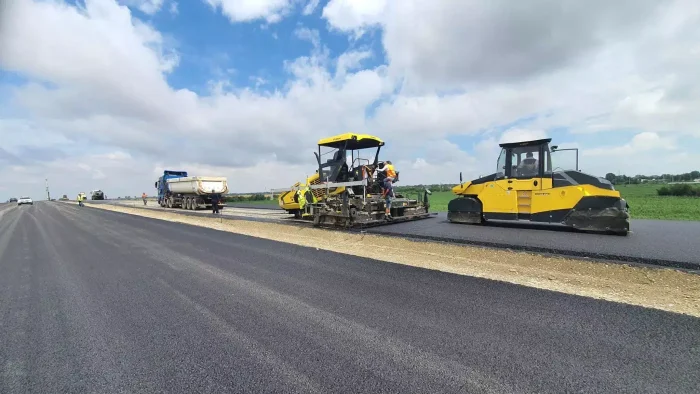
[99,87]
[350,61]
[149,7]
[310,7]
[640,144]
[272,11]
[597,66]
[354,16]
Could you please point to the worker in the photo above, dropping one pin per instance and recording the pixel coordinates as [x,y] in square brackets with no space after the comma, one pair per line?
[528,167]
[301,196]
[388,194]
[144,197]
[305,196]
[387,187]
[215,199]
[390,173]
[80,199]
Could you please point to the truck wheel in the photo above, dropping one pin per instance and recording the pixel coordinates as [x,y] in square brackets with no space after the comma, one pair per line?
[193,205]
[187,204]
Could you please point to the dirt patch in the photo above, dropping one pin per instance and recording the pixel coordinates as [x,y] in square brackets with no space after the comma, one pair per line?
[658,288]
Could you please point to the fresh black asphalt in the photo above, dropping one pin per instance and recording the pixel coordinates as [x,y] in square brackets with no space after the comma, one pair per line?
[658,242]
[669,243]
[97,301]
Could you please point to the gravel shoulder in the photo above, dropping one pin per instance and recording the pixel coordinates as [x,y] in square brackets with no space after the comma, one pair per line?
[659,288]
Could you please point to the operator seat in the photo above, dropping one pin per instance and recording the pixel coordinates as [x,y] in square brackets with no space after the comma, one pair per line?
[528,167]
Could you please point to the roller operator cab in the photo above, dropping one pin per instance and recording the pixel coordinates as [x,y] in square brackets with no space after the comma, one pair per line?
[525,187]
[353,160]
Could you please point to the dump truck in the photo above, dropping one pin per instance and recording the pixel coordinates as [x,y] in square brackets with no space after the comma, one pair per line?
[178,190]
[346,190]
[97,195]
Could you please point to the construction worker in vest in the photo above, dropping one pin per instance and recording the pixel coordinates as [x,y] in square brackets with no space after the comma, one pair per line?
[80,199]
[301,196]
[390,172]
[388,189]
[305,196]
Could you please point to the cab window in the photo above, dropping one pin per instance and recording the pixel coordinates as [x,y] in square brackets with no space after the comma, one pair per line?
[526,162]
[501,165]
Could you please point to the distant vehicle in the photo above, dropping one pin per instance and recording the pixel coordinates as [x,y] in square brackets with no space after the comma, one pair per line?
[25,200]
[97,195]
[13,199]
[177,190]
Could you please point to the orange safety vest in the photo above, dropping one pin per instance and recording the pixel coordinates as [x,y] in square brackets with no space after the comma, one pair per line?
[390,171]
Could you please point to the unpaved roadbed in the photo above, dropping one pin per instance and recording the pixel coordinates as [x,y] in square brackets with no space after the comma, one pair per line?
[663,289]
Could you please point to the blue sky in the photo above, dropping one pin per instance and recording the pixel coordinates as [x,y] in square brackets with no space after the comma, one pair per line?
[106,95]
[213,48]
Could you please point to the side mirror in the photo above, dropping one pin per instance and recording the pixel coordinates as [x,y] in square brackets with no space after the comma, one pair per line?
[460,177]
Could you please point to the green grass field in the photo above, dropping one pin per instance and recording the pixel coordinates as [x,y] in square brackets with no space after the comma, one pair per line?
[646,204]
[643,200]
[259,202]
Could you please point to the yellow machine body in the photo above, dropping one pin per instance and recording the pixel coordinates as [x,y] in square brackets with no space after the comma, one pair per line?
[355,192]
[346,141]
[526,188]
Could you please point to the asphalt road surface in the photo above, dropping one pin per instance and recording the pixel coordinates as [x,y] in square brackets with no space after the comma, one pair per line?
[661,242]
[96,301]
[651,241]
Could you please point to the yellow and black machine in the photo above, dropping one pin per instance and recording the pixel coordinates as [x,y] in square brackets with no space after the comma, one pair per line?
[346,190]
[525,187]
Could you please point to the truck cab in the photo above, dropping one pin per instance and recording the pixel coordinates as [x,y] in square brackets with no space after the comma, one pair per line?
[161,184]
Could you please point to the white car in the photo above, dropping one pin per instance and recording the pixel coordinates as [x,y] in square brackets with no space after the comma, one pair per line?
[25,200]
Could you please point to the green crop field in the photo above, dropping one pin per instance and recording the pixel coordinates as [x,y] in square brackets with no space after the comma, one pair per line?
[646,204]
[643,200]
[263,203]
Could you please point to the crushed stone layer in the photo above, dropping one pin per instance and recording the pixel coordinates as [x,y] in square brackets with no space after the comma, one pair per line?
[659,288]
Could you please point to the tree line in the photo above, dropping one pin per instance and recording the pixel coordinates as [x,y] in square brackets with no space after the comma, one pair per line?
[664,178]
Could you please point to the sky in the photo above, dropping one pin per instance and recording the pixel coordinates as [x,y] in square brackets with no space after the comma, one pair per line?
[105,94]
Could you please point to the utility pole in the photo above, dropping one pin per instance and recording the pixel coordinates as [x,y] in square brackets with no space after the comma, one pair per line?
[48,195]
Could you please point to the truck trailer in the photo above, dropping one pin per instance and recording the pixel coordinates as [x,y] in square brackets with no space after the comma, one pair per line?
[178,190]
